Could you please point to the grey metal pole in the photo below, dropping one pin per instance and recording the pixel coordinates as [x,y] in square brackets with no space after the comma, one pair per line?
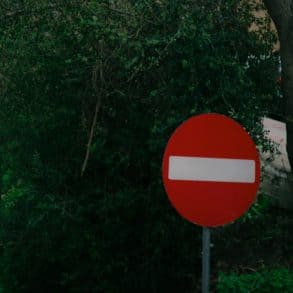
[206,238]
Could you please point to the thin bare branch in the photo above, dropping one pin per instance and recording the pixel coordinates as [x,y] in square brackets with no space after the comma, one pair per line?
[95,118]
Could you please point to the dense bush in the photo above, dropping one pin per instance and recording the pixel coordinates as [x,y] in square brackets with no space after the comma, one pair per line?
[265,281]
[90,92]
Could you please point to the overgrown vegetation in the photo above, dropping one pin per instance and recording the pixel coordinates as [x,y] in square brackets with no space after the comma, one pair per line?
[265,281]
[90,92]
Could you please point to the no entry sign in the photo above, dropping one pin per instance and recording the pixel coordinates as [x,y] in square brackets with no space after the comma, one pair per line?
[211,170]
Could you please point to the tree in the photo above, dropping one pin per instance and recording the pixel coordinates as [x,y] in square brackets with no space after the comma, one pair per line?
[281,11]
[90,92]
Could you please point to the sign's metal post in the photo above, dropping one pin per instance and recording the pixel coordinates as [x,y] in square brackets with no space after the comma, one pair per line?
[206,238]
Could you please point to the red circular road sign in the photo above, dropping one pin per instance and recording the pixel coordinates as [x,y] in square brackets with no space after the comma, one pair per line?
[211,170]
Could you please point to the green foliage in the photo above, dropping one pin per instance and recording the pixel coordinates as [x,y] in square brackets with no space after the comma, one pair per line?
[141,67]
[259,208]
[264,281]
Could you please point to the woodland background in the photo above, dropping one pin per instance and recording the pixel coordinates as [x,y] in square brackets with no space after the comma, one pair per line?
[90,92]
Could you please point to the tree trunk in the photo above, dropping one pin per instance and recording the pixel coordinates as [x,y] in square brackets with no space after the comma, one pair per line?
[281,11]
[287,78]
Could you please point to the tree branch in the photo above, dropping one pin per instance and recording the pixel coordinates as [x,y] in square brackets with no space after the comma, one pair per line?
[98,105]
[97,108]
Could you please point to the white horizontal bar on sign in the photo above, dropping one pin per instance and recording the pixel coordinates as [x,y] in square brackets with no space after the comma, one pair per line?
[211,169]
